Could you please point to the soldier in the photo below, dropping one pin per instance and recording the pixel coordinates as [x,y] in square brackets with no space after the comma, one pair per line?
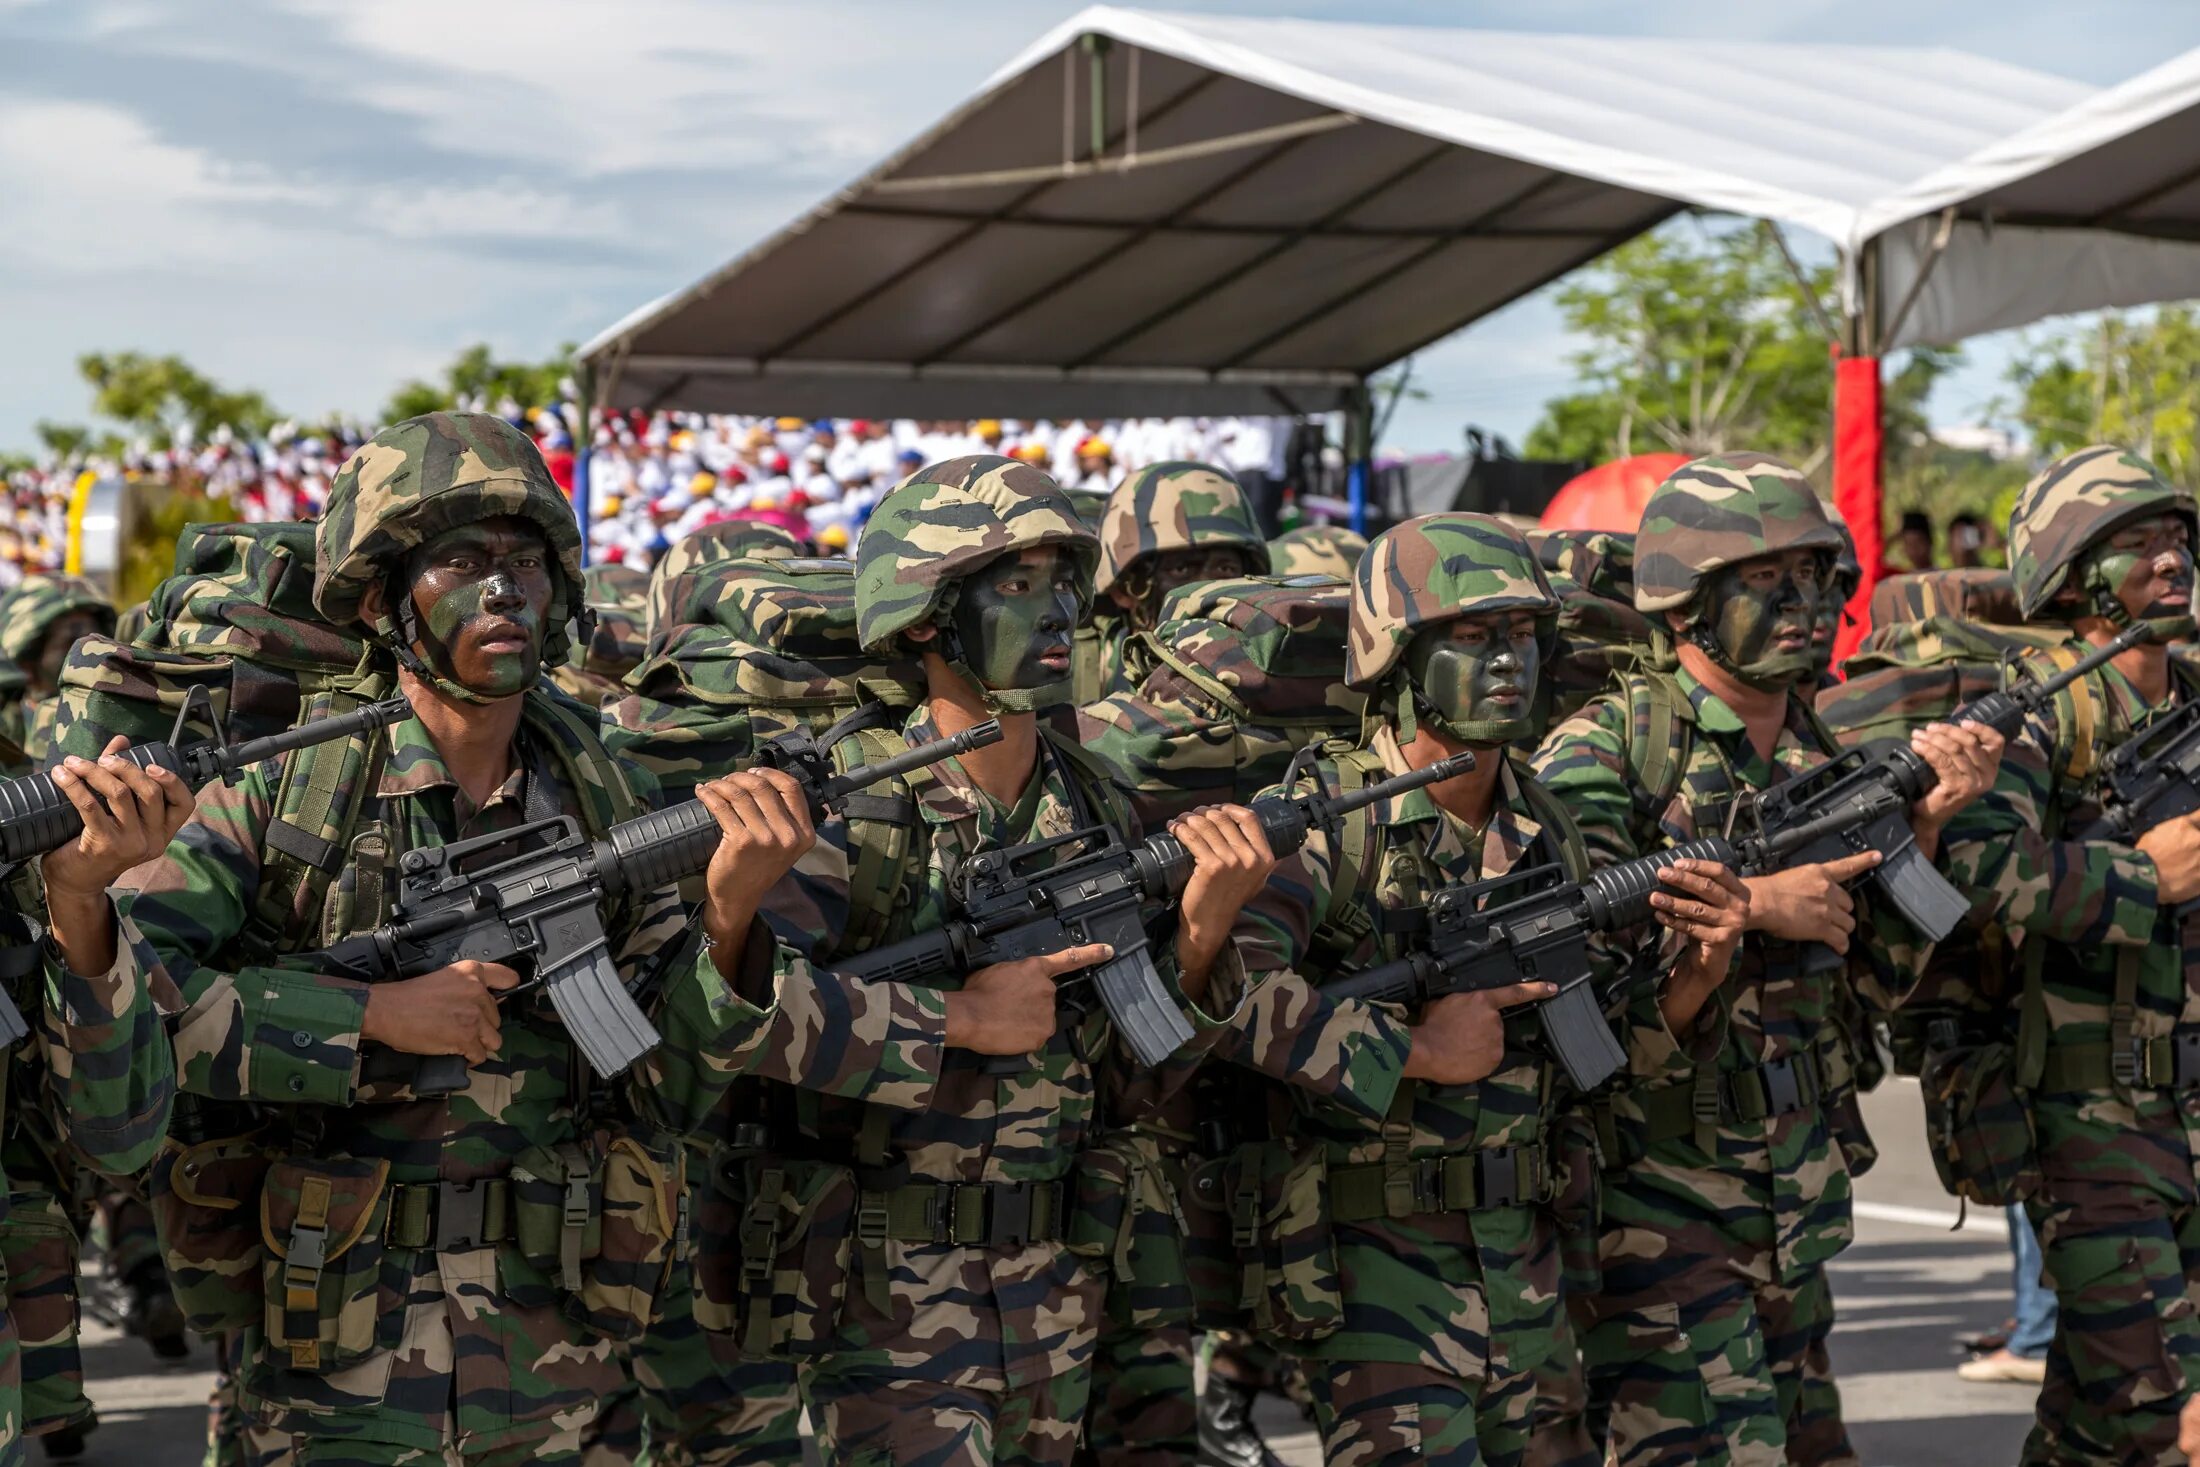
[1448,1291]
[1316,550]
[933,1304]
[1727,1191]
[428,1296]
[1166,526]
[2099,541]
[40,620]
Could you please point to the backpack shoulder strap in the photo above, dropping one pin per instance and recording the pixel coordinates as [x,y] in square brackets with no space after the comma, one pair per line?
[1558,824]
[323,791]
[1660,732]
[882,846]
[575,738]
[1344,922]
[2077,738]
[1095,778]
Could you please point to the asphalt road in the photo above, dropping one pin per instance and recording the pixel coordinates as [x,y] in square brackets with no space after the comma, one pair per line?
[1906,1292]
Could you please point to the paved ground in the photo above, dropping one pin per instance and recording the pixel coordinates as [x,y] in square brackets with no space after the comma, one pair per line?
[1907,1291]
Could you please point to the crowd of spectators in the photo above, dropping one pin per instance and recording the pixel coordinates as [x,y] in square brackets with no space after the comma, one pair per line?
[653,477]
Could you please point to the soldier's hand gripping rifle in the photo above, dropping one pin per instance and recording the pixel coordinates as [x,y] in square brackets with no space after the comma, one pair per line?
[1874,791]
[1092,885]
[1535,926]
[35,817]
[538,906]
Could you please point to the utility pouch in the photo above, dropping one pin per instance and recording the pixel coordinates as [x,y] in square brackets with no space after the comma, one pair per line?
[1977,1126]
[1302,1294]
[1222,1241]
[596,1225]
[321,1222]
[205,1201]
[1577,1203]
[774,1248]
[1127,1219]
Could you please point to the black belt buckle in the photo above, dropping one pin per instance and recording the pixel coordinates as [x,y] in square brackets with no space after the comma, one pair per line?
[461,1216]
[1783,1082]
[1499,1184]
[1009,1222]
[2184,1058]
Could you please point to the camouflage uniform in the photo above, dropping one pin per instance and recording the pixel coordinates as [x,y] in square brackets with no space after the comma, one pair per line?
[2118,1211]
[1316,550]
[1450,1307]
[727,540]
[1163,507]
[25,616]
[939,1351]
[619,596]
[457,1361]
[1708,1340]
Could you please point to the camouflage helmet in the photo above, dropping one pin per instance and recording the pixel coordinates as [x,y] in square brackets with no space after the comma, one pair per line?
[2074,502]
[945,522]
[1316,550]
[38,602]
[1176,506]
[414,480]
[1436,569]
[1717,511]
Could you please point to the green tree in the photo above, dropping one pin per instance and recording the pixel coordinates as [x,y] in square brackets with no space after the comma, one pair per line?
[1696,339]
[2129,378]
[477,379]
[164,398]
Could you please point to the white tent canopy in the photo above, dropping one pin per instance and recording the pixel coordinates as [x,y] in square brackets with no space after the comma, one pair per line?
[1277,208]
[2096,206]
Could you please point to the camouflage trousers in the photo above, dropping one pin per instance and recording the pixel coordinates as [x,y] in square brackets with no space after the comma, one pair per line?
[12,1449]
[1381,1414]
[2126,1273]
[703,1405]
[282,1449]
[38,1247]
[1558,1427]
[126,1224]
[893,1421]
[1707,1366]
[1143,1413]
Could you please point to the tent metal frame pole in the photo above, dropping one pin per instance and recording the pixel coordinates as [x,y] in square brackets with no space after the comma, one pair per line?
[584,447]
[1939,247]
[1359,450]
[1802,282]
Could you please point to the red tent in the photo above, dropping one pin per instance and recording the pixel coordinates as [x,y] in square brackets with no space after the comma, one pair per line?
[1610,496]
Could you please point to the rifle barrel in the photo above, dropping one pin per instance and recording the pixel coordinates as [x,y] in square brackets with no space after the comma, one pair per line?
[840,785]
[230,759]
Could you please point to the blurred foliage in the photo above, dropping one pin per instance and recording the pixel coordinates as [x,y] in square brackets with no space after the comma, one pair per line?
[2128,378]
[477,381]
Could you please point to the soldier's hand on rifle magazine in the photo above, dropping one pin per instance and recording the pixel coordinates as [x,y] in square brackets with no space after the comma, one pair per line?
[1461,1037]
[1009,1008]
[130,815]
[1966,757]
[2174,847]
[1809,903]
[764,828]
[1231,862]
[450,1011]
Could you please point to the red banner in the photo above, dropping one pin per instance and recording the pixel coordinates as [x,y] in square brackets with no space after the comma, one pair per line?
[1857,489]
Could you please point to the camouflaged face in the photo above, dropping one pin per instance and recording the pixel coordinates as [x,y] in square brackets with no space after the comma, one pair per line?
[726,540]
[2072,503]
[1717,511]
[1316,550]
[943,523]
[418,478]
[1175,506]
[40,601]
[1432,570]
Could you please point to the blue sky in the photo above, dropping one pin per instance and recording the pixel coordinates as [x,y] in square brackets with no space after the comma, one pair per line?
[322,197]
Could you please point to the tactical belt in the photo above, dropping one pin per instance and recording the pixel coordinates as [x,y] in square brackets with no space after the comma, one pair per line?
[1716,1098]
[449,1217]
[2168,1062]
[965,1214]
[1466,1181]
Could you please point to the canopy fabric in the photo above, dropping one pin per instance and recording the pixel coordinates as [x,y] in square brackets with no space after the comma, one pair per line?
[1278,208]
[2095,206]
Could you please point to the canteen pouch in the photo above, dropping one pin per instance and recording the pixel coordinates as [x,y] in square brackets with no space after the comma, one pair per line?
[774,1249]
[205,1202]
[1222,1238]
[1577,1203]
[1302,1297]
[1977,1126]
[321,1222]
[595,1229]
[1126,1219]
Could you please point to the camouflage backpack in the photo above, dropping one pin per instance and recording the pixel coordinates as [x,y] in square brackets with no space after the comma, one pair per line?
[619,595]
[1599,630]
[1249,672]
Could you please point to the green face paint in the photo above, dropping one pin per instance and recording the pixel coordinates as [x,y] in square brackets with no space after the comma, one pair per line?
[1013,622]
[2134,578]
[1764,631]
[1475,677]
[480,595]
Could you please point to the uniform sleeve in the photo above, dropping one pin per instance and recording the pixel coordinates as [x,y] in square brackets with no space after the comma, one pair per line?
[111,1071]
[257,1033]
[1350,1053]
[2081,893]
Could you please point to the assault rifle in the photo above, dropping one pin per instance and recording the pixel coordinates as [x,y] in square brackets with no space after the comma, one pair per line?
[1535,925]
[36,817]
[2154,775]
[1092,885]
[537,906]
